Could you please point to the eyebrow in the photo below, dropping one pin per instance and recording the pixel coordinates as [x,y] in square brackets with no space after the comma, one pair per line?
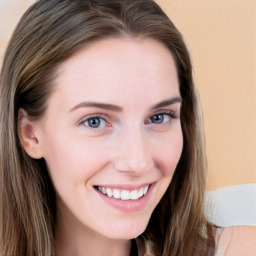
[116,108]
[167,102]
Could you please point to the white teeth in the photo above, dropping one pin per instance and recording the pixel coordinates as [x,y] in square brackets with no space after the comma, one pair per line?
[134,195]
[141,192]
[124,194]
[103,190]
[116,193]
[109,192]
[145,190]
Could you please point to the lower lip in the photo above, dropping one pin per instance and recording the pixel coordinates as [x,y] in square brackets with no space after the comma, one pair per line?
[127,205]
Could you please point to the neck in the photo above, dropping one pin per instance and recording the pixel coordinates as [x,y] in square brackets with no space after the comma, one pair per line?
[74,239]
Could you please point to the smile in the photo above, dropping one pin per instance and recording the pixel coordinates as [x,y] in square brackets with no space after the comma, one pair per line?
[126,198]
[124,194]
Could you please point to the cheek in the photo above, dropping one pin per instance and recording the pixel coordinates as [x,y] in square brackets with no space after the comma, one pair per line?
[169,153]
[74,160]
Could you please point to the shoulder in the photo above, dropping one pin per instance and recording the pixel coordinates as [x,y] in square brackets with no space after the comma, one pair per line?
[236,241]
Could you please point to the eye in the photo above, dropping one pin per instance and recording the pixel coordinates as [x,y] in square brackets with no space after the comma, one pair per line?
[161,118]
[157,119]
[95,122]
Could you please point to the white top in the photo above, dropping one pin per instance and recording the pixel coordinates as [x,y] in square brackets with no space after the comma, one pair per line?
[232,206]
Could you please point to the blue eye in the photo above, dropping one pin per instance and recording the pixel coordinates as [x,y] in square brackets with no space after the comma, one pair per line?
[95,122]
[161,118]
[157,119]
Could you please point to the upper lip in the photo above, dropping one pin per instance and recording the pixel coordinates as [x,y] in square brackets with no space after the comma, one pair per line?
[125,186]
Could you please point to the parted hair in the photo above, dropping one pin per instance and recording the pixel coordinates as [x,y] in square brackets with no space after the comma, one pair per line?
[50,32]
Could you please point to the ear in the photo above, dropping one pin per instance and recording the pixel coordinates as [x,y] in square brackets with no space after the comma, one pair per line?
[28,135]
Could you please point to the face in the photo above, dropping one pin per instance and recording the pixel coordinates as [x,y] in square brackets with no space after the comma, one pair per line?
[111,135]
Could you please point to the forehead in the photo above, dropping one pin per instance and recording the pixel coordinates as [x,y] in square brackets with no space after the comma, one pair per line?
[120,67]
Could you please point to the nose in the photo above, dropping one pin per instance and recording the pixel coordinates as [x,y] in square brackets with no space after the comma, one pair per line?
[133,152]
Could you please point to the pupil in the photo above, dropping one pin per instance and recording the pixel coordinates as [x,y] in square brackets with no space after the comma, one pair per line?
[157,118]
[95,122]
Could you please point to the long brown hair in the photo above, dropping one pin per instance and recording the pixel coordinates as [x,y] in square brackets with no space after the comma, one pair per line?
[49,33]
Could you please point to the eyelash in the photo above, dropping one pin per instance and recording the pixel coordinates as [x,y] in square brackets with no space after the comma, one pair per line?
[170,114]
[94,117]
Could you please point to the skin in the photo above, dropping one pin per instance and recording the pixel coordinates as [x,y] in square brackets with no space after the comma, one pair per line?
[128,149]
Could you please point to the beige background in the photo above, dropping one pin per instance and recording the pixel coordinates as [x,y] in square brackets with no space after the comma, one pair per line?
[221,37]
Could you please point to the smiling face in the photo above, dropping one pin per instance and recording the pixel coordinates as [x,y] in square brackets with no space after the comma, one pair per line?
[111,135]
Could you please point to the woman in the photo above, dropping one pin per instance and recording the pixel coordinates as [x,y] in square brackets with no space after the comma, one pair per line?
[102,149]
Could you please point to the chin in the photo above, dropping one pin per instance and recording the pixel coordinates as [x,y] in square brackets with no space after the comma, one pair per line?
[126,232]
